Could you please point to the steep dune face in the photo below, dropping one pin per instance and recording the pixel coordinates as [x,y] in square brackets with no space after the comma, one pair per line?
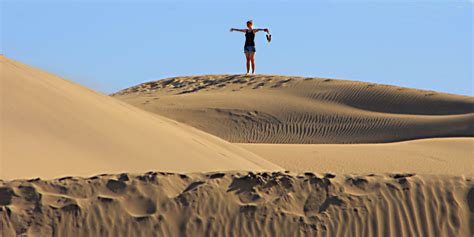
[239,204]
[278,109]
[51,127]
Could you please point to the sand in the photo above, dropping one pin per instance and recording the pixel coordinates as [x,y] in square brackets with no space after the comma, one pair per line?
[156,159]
[51,128]
[436,156]
[238,204]
[297,110]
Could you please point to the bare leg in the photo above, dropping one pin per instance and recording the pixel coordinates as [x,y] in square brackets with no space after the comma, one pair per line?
[247,57]
[252,60]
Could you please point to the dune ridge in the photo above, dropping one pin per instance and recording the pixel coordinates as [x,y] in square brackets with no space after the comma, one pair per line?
[298,110]
[51,127]
[239,204]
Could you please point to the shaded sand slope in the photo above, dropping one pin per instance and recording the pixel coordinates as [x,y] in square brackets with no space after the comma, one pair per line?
[239,204]
[453,156]
[279,109]
[51,127]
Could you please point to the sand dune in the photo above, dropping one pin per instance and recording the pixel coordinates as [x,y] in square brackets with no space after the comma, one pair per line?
[51,127]
[239,204]
[278,109]
[440,156]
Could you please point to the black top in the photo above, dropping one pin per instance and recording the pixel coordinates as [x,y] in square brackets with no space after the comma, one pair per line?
[249,38]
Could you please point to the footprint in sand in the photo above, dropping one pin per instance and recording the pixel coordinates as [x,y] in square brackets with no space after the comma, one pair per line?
[6,195]
[139,206]
[116,186]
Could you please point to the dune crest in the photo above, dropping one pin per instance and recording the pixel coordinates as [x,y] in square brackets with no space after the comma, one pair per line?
[51,127]
[297,110]
[239,204]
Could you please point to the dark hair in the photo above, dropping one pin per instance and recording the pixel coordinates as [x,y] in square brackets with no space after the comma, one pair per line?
[249,22]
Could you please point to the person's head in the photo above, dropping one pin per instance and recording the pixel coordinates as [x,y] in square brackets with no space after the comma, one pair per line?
[249,24]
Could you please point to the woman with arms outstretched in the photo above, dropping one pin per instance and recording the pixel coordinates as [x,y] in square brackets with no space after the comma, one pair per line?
[249,47]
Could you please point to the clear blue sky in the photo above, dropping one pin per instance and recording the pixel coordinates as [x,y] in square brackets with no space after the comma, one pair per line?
[111,45]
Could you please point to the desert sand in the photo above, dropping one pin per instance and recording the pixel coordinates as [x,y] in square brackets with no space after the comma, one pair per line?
[296,110]
[238,204]
[52,128]
[228,155]
[437,156]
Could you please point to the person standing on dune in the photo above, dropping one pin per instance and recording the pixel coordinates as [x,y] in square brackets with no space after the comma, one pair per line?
[249,47]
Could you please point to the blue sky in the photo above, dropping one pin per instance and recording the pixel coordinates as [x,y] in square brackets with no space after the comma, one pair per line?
[111,45]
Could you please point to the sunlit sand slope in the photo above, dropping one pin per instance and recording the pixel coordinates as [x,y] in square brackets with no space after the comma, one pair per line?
[282,109]
[51,127]
[453,156]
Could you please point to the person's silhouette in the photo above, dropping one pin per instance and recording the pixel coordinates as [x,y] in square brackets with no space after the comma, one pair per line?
[249,47]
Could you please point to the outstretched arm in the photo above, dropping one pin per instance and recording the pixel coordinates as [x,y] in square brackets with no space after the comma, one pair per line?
[257,30]
[239,30]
